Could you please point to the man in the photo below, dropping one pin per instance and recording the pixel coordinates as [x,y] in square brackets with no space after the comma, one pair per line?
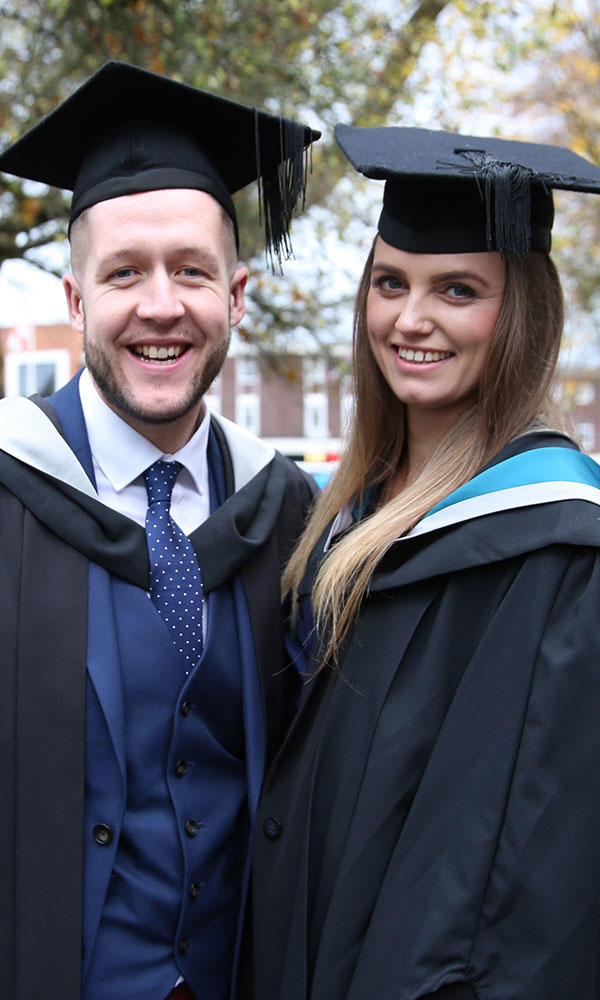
[135,732]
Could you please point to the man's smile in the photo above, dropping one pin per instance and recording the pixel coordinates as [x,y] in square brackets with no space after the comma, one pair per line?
[152,353]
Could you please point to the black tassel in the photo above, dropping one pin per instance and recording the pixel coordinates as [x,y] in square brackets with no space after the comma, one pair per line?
[281,190]
[506,191]
[258,167]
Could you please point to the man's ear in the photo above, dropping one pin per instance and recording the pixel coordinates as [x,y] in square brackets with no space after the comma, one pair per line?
[74,302]
[237,301]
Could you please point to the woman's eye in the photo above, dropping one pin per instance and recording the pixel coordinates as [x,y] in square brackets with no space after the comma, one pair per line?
[460,292]
[388,283]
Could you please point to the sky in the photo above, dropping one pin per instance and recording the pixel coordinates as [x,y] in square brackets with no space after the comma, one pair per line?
[28,295]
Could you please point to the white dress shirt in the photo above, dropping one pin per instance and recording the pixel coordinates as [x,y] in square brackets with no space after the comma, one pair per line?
[120,455]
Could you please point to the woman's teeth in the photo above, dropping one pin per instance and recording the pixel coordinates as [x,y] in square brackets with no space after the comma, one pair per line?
[422,356]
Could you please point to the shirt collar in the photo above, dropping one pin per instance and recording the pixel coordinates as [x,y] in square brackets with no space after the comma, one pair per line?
[124,463]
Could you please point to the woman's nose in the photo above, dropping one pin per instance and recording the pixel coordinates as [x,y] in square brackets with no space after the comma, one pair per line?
[414,316]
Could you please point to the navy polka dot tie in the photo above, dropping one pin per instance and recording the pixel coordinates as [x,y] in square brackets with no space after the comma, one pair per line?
[175,581]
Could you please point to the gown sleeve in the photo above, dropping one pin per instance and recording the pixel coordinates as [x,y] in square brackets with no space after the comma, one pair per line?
[488,879]
[538,930]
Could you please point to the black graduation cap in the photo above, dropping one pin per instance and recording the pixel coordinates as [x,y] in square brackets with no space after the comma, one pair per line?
[127,130]
[451,193]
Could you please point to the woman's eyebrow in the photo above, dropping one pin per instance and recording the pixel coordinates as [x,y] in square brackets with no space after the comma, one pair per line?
[460,275]
[456,275]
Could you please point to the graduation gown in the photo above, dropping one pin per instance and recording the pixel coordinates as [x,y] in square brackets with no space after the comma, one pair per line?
[52,528]
[430,828]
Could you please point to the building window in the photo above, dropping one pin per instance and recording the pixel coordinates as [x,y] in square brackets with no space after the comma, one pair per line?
[247,394]
[26,372]
[315,415]
[586,434]
[214,397]
[585,393]
[247,373]
[315,374]
[316,403]
[247,411]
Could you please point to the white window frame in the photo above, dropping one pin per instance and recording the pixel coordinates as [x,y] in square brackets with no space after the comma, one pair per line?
[214,397]
[247,373]
[17,361]
[247,411]
[314,372]
[586,433]
[585,393]
[316,415]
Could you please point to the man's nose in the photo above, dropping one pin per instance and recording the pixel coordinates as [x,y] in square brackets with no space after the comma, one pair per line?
[160,299]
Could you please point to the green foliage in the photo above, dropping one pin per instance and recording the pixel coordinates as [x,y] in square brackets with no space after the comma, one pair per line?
[319,60]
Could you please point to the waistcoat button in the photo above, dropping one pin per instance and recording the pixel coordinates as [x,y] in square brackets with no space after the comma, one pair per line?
[180,768]
[182,947]
[102,834]
[192,827]
[272,828]
[186,706]
[195,888]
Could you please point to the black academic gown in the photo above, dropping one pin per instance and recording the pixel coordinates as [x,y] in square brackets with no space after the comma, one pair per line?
[431,826]
[49,531]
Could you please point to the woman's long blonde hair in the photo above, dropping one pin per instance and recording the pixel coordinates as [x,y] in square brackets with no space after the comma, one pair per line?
[513,393]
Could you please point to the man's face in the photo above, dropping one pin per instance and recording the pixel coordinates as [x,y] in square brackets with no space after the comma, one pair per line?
[155,292]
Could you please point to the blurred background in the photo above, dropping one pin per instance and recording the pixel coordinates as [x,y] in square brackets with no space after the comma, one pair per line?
[520,70]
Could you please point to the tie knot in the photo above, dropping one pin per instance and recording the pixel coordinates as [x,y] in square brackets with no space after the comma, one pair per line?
[160,479]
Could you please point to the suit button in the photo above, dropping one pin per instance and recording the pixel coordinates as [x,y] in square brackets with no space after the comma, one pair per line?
[102,834]
[192,827]
[272,828]
[183,946]
[180,768]
[186,706]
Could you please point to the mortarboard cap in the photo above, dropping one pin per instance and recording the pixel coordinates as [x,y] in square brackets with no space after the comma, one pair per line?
[127,130]
[451,193]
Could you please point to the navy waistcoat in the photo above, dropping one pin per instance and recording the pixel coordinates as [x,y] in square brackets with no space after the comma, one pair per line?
[173,900]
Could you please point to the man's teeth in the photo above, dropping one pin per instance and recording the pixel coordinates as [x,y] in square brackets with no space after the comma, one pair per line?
[409,355]
[153,353]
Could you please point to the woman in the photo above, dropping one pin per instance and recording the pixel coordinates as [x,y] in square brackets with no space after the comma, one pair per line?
[431,828]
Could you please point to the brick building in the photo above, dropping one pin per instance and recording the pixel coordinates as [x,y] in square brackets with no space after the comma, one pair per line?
[299,403]
[579,396]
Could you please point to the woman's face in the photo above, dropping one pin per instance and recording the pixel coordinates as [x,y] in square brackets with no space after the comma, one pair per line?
[430,318]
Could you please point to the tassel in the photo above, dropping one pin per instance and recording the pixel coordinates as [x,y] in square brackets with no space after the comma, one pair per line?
[258,167]
[282,189]
[506,191]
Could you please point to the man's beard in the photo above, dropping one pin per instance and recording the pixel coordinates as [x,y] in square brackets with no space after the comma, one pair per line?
[115,395]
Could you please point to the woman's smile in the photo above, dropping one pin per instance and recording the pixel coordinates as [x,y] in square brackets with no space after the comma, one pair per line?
[421,357]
